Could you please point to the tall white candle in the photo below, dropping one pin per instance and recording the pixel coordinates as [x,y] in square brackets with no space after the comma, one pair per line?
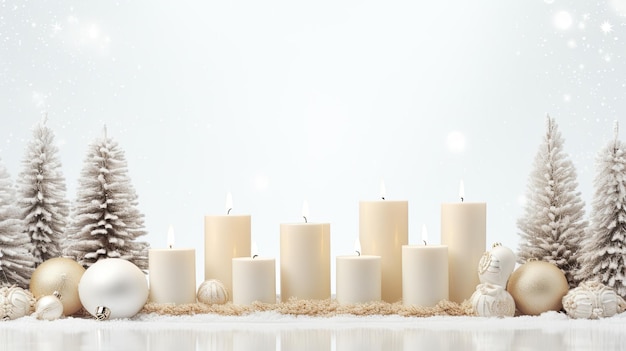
[357,278]
[464,231]
[225,237]
[383,229]
[172,274]
[254,279]
[305,260]
[424,273]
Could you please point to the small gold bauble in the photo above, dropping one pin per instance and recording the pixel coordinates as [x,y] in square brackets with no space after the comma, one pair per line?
[537,287]
[59,275]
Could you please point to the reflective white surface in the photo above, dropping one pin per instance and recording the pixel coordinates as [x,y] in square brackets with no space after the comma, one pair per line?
[554,332]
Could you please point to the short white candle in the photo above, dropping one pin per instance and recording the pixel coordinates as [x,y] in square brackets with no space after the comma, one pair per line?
[254,279]
[424,273]
[464,230]
[172,274]
[383,229]
[305,260]
[225,237]
[357,278]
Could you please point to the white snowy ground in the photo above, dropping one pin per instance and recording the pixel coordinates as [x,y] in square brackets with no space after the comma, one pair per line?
[274,331]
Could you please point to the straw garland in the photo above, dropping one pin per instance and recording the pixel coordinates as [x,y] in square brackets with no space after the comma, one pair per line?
[317,308]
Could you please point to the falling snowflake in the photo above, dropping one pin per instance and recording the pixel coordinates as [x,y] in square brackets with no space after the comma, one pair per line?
[606,27]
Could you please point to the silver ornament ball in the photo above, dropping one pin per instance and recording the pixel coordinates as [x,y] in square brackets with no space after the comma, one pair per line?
[113,288]
[49,308]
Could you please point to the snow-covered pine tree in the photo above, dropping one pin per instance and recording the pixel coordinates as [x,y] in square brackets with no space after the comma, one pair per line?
[41,195]
[603,255]
[105,219]
[552,225]
[16,261]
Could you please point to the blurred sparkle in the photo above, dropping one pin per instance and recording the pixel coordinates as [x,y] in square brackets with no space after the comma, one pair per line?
[563,20]
[572,44]
[606,27]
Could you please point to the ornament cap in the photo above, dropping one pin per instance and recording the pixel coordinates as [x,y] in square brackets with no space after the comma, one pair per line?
[102,313]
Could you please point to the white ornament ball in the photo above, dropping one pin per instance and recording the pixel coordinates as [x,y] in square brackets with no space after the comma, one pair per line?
[496,265]
[15,302]
[113,288]
[490,300]
[593,300]
[212,291]
[61,275]
[537,287]
[48,307]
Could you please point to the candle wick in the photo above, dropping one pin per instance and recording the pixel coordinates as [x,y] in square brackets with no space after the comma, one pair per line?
[382,197]
[425,244]
[170,246]
[358,252]
[305,220]
[255,256]
[461,198]
[228,212]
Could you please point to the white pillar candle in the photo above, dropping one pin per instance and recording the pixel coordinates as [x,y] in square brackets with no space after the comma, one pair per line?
[225,237]
[172,274]
[357,279]
[383,229]
[464,231]
[424,274]
[305,261]
[254,279]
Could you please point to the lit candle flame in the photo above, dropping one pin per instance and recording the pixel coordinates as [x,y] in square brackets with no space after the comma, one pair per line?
[170,237]
[254,250]
[357,246]
[229,202]
[424,234]
[383,190]
[305,211]
[462,190]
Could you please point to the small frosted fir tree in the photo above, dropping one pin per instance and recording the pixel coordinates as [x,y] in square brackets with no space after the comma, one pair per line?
[603,254]
[41,196]
[552,225]
[16,262]
[105,220]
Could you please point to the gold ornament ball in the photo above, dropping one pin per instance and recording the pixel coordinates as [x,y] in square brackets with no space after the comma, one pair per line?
[537,287]
[59,274]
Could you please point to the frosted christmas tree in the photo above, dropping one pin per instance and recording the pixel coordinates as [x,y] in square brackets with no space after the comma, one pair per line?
[16,261]
[105,219]
[604,251]
[41,198]
[552,225]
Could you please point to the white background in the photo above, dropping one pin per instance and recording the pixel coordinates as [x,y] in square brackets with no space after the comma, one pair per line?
[282,101]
